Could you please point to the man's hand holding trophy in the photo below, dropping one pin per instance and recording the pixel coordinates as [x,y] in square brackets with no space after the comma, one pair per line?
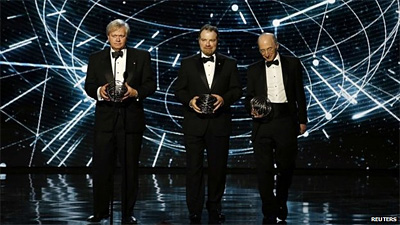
[260,107]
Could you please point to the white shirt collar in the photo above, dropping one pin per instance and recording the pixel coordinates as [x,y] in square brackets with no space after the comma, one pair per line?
[278,57]
[203,55]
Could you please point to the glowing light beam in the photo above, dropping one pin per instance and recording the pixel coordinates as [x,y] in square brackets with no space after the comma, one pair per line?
[78,119]
[362,114]
[277,22]
[58,151]
[176,60]
[397,81]
[325,81]
[254,16]
[23,94]
[326,134]
[157,70]
[328,116]
[79,115]
[14,16]
[158,150]
[138,44]
[56,13]
[361,89]
[59,133]
[89,162]
[23,42]
[86,41]
[243,19]
[76,105]
[19,46]
[38,65]
[79,82]
[347,96]
[71,150]
[155,34]
[372,98]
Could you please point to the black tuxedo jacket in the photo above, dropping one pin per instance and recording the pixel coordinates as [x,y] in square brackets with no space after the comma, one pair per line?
[139,76]
[292,81]
[192,82]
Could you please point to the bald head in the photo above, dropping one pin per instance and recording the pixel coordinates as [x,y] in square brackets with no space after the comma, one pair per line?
[264,36]
[268,46]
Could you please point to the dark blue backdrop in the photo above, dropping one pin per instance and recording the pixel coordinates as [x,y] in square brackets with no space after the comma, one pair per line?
[349,51]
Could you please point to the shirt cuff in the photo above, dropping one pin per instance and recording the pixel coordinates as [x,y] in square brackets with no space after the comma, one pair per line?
[99,98]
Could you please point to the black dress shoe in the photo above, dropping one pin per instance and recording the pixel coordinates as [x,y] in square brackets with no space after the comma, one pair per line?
[97,218]
[195,219]
[282,212]
[129,220]
[215,217]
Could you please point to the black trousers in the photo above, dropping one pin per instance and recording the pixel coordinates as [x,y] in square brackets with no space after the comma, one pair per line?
[108,147]
[217,155]
[275,143]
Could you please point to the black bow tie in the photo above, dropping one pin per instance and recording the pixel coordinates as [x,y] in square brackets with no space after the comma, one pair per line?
[117,54]
[206,59]
[269,63]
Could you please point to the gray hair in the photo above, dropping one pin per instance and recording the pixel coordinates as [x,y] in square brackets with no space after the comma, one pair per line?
[115,25]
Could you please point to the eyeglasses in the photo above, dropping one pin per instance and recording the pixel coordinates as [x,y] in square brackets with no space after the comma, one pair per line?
[114,36]
[269,50]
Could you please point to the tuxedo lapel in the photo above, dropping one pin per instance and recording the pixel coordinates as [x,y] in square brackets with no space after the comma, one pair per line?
[202,72]
[284,66]
[219,62]
[263,76]
[131,62]
[105,64]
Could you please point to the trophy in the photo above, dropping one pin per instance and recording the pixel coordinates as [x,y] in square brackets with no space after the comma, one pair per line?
[206,103]
[261,105]
[116,90]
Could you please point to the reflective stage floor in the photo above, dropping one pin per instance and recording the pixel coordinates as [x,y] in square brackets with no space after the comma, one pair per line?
[315,198]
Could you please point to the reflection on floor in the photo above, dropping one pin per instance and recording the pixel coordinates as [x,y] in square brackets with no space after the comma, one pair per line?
[314,199]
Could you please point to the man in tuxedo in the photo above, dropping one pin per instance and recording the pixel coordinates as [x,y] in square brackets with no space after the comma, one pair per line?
[274,137]
[207,73]
[119,124]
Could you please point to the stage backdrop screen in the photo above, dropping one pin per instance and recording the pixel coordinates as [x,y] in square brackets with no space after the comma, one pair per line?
[349,52]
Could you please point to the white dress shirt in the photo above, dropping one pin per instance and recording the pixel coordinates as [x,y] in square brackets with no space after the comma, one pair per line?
[275,88]
[209,68]
[120,62]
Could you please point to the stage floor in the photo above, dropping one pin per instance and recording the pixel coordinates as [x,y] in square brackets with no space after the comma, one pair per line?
[344,198]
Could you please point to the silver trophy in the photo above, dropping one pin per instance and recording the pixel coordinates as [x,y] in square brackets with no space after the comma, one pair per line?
[116,90]
[261,105]
[206,103]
